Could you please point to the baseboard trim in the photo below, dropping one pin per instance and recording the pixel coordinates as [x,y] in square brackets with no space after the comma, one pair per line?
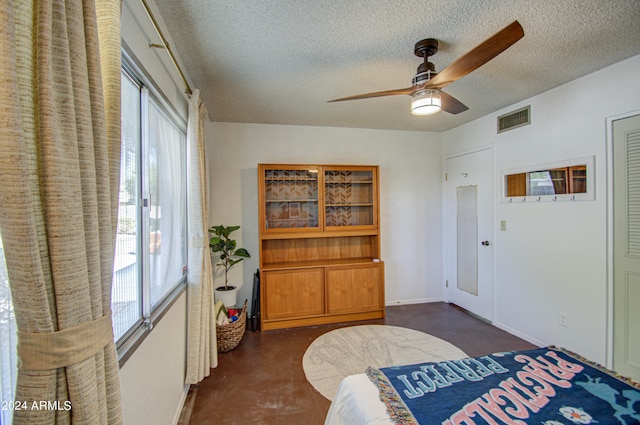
[183,398]
[520,335]
[390,303]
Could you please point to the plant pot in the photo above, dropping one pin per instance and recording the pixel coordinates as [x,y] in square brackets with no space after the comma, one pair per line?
[228,295]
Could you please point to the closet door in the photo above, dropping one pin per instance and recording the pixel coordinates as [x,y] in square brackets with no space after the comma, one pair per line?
[626,287]
[469,232]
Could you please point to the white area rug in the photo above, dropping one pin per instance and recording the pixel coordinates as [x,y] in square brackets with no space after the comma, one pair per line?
[349,351]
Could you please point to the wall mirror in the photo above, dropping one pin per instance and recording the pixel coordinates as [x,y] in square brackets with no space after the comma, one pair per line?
[570,180]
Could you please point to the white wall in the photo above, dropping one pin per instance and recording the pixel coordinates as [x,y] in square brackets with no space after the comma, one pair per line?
[553,256]
[410,192]
[152,380]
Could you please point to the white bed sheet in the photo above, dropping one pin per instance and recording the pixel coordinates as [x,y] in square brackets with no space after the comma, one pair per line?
[357,402]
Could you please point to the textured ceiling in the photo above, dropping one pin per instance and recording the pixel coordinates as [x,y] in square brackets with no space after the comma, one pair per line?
[279,61]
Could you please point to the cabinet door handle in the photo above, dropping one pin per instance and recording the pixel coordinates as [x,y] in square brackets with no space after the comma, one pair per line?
[486,243]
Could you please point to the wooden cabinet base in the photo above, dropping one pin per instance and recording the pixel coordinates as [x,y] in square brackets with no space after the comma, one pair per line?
[268,325]
[333,293]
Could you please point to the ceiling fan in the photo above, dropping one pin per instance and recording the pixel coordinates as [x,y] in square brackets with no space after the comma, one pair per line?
[426,91]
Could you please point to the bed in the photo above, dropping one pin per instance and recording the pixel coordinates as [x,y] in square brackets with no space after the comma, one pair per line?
[548,386]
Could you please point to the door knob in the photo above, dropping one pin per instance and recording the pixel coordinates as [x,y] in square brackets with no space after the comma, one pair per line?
[485,243]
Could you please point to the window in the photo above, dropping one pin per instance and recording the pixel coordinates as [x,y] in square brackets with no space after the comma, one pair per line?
[8,336]
[151,242]
[125,293]
[566,180]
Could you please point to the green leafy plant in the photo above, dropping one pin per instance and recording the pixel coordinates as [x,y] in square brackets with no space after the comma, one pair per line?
[222,244]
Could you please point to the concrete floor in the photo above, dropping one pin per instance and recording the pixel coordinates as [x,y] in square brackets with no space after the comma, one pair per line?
[261,382]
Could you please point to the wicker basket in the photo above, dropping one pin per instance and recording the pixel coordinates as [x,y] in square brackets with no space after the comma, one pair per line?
[229,336]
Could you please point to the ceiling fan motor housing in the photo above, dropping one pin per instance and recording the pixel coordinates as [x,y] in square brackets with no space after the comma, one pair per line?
[424,49]
[426,71]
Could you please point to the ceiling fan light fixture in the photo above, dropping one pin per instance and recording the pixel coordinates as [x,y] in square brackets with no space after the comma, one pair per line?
[426,102]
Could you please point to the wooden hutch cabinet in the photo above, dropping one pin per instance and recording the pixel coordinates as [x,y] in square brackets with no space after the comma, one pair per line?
[319,245]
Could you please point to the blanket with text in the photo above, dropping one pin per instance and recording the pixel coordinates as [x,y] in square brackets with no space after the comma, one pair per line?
[548,386]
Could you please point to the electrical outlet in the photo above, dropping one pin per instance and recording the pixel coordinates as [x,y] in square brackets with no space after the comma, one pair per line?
[503,225]
[563,319]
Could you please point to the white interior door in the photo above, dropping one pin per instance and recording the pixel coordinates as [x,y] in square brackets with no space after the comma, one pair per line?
[626,247]
[469,232]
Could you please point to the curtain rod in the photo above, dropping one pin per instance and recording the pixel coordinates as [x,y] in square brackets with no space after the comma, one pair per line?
[165,45]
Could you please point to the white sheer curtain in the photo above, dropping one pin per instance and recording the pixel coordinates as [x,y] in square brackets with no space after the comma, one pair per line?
[202,352]
[8,336]
[168,217]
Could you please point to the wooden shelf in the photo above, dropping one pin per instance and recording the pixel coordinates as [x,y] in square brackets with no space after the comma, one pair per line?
[368,204]
[310,233]
[290,179]
[316,263]
[292,200]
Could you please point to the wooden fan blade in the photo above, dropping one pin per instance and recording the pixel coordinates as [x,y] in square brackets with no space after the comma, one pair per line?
[477,57]
[408,90]
[451,105]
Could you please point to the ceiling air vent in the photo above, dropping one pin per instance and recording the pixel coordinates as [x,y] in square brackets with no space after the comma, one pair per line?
[514,119]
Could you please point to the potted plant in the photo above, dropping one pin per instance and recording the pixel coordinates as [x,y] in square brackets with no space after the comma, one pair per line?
[229,255]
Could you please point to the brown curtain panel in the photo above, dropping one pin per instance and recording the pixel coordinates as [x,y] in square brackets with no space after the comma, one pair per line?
[59,166]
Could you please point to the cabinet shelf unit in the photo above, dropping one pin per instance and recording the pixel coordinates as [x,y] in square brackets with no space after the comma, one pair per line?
[319,244]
